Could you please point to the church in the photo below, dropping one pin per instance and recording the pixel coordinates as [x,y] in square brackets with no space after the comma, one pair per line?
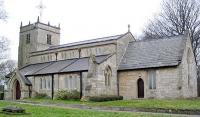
[112,65]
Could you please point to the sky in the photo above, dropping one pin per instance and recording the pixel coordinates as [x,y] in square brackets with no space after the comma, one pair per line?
[79,19]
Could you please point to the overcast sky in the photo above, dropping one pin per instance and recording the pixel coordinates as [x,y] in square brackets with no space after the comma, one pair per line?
[79,19]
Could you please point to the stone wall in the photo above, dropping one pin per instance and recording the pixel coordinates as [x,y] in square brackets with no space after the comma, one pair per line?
[74,53]
[67,81]
[188,72]
[167,83]
[95,85]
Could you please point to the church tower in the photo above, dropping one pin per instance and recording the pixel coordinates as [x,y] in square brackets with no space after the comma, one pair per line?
[36,37]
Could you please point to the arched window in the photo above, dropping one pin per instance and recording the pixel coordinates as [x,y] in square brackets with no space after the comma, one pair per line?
[189,62]
[49,83]
[152,79]
[107,75]
[70,82]
[44,83]
[189,54]
[66,83]
[40,83]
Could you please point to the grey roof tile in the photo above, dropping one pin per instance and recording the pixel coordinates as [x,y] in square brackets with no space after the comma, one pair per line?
[70,65]
[55,67]
[153,53]
[33,68]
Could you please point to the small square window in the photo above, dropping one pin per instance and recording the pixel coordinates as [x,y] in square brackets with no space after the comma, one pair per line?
[49,39]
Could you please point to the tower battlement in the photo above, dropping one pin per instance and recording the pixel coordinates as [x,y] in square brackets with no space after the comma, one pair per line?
[36,37]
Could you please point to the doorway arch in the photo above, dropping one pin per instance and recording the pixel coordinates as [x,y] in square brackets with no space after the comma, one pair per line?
[140,86]
[16,90]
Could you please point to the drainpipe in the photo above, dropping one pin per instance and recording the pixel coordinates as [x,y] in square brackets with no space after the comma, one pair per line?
[29,90]
[81,85]
[52,86]
[81,81]
[117,84]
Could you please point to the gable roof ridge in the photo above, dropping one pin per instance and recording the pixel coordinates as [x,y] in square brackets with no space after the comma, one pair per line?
[159,39]
[63,45]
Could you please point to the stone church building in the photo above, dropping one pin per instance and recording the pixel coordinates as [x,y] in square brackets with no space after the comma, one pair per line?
[113,65]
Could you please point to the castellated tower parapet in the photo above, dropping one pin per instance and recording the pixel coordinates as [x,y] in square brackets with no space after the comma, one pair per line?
[36,37]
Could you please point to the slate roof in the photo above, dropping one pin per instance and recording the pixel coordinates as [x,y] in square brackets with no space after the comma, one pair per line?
[97,40]
[153,53]
[62,66]
[25,79]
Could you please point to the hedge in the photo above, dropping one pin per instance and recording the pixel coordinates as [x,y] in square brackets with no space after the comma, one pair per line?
[105,98]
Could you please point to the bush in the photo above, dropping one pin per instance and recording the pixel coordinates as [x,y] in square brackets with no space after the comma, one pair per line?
[41,96]
[67,95]
[105,98]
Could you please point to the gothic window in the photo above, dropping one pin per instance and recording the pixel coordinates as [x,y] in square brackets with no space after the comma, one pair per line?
[66,83]
[40,83]
[107,75]
[70,82]
[28,36]
[49,39]
[49,84]
[189,65]
[44,83]
[152,79]
[48,58]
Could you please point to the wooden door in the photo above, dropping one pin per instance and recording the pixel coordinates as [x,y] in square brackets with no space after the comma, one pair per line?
[140,84]
[18,90]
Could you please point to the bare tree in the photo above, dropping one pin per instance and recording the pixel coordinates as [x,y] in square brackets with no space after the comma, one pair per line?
[7,67]
[3,14]
[176,17]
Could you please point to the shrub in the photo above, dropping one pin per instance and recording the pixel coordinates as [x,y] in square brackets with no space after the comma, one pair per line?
[105,98]
[41,96]
[67,95]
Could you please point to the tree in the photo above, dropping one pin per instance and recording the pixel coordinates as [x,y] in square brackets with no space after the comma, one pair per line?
[3,14]
[176,17]
[7,67]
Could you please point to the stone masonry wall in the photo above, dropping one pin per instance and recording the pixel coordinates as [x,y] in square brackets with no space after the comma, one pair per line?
[167,80]
[70,81]
[188,72]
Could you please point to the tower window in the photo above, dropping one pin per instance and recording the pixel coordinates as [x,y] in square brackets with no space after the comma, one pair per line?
[28,36]
[49,39]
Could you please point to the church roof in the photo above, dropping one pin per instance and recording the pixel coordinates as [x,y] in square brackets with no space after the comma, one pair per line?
[109,38]
[62,66]
[153,53]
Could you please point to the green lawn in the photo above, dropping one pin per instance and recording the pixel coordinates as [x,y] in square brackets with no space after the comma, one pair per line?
[39,111]
[143,103]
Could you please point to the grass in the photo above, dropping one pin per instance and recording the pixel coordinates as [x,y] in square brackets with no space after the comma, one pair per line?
[40,111]
[192,104]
